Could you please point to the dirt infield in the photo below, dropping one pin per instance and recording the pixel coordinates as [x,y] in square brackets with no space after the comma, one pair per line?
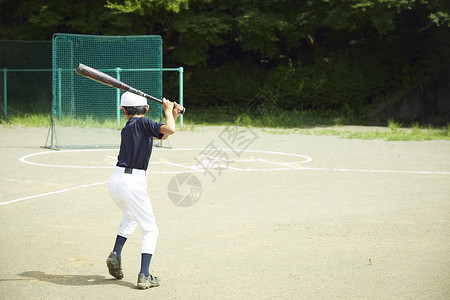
[274,217]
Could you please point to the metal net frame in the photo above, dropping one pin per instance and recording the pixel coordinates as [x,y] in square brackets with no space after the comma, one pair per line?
[85,114]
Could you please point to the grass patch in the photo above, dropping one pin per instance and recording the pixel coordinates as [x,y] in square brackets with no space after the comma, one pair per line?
[230,115]
[44,120]
[284,122]
[394,132]
[30,120]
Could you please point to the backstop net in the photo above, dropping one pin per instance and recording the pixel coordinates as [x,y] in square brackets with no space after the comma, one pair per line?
[85,113]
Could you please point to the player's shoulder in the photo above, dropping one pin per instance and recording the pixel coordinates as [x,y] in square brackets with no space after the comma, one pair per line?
[142,120]
[146,120]
[149,124]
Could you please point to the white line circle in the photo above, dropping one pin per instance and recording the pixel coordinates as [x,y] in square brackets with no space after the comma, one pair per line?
[285,166]
[24,159]
[186,168]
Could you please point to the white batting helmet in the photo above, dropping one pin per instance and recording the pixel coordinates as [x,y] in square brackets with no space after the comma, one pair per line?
[130,99]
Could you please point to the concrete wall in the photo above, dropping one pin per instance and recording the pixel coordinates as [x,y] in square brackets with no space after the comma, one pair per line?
[427,102]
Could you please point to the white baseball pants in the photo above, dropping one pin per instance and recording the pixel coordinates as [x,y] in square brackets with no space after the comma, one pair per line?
[129,192]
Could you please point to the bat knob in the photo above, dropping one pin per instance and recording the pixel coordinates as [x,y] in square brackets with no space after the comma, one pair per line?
[181,111]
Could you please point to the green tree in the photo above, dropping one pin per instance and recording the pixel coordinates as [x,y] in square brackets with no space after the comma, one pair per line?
[323,54]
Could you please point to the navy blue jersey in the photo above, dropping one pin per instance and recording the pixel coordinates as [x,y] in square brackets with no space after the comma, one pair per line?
[136,143]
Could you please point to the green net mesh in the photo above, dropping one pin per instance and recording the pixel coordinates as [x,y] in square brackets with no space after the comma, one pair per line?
[85,114]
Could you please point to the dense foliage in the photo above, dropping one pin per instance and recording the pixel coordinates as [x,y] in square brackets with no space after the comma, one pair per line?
[344,55]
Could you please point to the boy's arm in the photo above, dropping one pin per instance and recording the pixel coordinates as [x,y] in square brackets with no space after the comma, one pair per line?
[171,116]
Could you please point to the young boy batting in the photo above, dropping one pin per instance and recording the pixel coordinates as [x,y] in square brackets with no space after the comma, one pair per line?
[128,184]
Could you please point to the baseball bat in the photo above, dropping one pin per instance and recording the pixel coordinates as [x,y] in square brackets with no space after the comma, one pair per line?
[103,78]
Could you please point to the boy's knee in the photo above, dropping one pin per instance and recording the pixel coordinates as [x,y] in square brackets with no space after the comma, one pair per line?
[153,232]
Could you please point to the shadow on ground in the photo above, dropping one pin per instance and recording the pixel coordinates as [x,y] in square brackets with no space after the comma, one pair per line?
[75,279]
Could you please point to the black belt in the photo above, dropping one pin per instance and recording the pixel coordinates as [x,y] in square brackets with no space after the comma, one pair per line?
[128,170]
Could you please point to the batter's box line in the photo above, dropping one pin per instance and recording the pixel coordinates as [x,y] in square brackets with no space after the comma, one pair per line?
[219,166]
[374,171]
[182,166]
[287,164]
[54,192]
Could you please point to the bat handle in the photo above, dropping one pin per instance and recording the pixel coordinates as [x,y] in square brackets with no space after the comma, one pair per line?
[175,106]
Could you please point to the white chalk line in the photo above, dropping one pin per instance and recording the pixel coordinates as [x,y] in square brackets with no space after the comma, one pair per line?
[24,159]
[375,171]
[54,192]
[201,170]
[216,161]
[218,164]
[183,166]
[221,163]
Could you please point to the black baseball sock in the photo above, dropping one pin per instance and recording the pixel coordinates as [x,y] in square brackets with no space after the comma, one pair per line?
[120,241]
[145,263]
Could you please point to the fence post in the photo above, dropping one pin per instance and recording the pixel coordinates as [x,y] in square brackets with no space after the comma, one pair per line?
[59,94]
[118,96]
[5,92]
[180,71]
